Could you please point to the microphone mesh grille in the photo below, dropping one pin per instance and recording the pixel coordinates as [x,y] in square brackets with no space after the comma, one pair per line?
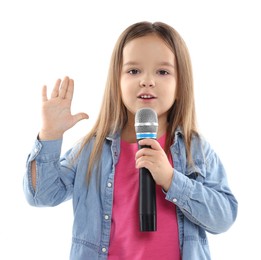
[146,121]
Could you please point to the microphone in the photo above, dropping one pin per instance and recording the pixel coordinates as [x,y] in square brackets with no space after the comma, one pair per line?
[146,126]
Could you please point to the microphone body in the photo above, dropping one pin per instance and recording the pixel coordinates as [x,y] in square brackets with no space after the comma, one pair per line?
[146,126]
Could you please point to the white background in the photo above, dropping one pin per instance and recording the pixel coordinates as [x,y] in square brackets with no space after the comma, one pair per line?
[45,40]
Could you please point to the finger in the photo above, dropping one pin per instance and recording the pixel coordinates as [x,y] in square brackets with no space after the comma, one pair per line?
[144,162]
[145,152]
[64,87]
[55,91]
[147,158]
[80,116]
[154,144]
[44,94]
[70,90]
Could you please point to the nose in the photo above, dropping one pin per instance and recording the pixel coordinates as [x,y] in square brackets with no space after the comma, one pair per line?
[147,83]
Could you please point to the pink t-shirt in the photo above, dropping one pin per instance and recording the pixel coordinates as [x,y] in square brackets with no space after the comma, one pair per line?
[126,240]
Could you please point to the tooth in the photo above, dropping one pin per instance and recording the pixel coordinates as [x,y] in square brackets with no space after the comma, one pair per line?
[146,96]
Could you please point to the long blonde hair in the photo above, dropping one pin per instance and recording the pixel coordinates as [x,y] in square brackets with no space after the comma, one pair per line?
[113,114]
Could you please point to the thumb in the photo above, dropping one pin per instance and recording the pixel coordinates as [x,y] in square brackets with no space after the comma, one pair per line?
[80,116]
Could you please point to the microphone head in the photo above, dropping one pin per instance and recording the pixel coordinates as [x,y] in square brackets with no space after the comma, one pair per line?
[146,123]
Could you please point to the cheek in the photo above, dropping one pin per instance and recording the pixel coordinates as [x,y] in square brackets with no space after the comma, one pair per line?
[123,89]
[127,89]
[125,94]
[169,101]
[170,93]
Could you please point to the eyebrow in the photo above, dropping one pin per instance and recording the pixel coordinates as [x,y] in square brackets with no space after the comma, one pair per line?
[164,63]
[168,64]
[130,63]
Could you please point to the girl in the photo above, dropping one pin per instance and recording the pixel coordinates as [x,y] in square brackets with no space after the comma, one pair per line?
[150,67]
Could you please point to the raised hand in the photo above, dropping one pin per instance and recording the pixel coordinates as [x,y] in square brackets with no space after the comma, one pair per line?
[56,111]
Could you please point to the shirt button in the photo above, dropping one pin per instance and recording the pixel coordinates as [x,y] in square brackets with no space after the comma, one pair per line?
[106,217]
[174,200]
[104,250]
[109,184]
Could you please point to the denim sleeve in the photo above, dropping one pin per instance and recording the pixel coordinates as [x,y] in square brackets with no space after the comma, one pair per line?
[209,202]
[54,181]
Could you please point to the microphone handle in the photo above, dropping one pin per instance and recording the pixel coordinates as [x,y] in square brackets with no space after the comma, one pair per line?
[147,200]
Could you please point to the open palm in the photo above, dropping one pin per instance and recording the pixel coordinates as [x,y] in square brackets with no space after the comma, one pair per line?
[56,111]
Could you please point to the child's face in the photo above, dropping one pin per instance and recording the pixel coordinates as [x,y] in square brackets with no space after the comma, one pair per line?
[148,77]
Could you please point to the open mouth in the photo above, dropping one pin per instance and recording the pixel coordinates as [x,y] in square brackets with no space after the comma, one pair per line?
[146,96]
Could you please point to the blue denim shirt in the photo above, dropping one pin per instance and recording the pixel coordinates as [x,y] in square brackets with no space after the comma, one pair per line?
[201,193]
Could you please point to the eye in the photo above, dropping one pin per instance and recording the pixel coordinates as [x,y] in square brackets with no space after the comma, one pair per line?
[163,72]
[133,71]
